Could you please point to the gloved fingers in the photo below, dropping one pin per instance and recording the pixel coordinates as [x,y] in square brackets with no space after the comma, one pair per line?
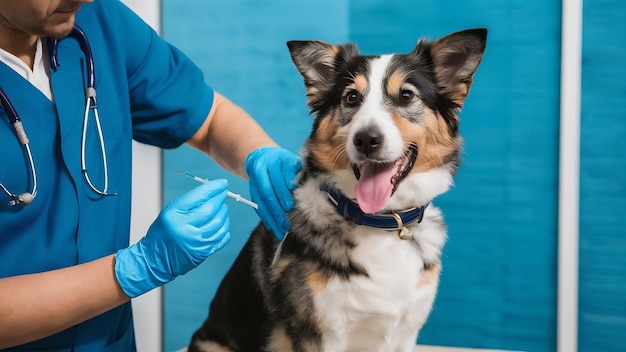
[213,228]
[273,217]
[210,240]
[260,186]
[188,229]
[207,211]
[272,171]
[283,180]
[201,243]
[294,165]
[199,196]
[224,238]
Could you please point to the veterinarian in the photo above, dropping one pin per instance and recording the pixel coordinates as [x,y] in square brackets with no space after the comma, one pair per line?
[67,273]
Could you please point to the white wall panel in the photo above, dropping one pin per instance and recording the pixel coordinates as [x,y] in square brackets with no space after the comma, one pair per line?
[147,197]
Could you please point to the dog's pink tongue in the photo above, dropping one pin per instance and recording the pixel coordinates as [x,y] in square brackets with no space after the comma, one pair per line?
[374,187]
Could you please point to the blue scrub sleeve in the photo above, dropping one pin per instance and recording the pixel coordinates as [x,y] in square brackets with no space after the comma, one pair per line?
[169,98]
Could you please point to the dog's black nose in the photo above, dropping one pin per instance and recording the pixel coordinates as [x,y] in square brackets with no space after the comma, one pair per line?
[368,141]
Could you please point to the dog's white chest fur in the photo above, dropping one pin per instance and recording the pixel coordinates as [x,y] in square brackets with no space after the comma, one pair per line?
[381,312]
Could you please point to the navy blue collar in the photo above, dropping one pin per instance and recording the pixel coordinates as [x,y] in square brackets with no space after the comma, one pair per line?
[390,221]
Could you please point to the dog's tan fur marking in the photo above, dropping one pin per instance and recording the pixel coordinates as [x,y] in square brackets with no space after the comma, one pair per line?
[429,276]
[327,146]
[279,341]
[209,346]
[279,267]
[316,281]
[434,141]
[360,83]
[395,82]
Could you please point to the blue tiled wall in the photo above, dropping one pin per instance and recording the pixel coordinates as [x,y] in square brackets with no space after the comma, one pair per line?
[602,304]
[498,286]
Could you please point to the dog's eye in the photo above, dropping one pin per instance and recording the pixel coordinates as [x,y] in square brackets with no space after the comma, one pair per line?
[406,96]
[352,97]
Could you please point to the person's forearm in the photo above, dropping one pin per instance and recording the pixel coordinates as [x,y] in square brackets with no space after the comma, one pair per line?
[229,134]
[38,305]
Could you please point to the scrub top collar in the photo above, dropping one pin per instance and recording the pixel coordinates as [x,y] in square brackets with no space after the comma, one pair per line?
[39,76]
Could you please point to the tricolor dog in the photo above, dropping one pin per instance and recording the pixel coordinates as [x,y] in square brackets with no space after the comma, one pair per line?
[359,268]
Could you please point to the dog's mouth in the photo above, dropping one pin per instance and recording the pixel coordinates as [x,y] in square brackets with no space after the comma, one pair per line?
[376,181]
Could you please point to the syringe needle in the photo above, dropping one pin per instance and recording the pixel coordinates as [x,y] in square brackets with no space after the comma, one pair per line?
[235,196]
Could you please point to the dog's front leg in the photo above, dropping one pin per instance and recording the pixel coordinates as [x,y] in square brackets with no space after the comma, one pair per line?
[283,341]
[293,310]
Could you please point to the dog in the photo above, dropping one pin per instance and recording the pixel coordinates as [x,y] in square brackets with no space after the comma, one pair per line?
[359,268]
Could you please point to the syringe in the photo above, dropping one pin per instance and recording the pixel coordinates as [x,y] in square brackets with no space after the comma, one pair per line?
[235,196]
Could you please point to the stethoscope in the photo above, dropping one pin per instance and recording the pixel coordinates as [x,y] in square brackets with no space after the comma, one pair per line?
[27,198]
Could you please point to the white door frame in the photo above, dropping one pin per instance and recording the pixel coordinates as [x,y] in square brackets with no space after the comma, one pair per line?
[569,176]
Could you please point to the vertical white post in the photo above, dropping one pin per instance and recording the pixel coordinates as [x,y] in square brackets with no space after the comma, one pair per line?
[147,198]
[569,176]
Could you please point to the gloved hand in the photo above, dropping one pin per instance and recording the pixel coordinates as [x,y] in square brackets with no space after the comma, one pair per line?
[189,229]
[272,172]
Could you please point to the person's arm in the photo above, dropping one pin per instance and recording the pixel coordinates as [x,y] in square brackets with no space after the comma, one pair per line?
[37,305]
[240,145]
[229,135]
[189,229]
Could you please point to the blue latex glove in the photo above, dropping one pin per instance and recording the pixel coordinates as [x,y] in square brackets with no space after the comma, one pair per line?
[189,229]
[272,172]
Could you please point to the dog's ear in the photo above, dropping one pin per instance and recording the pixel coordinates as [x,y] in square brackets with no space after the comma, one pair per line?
[317,62]
[455,59]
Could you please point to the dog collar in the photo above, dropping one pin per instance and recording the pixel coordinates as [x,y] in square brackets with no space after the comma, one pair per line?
[390,221]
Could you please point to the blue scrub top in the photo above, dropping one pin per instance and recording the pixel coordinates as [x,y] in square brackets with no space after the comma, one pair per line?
[147,91]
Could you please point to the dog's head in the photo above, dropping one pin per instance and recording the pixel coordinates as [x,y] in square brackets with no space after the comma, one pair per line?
[386,128]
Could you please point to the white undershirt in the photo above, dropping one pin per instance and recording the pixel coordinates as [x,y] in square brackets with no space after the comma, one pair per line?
[39,76]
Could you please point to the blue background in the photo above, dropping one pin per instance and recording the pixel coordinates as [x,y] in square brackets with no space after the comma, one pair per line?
[602,303]
[498,285]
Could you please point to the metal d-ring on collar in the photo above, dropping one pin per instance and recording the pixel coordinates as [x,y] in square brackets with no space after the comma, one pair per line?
[403,232]
[396,221]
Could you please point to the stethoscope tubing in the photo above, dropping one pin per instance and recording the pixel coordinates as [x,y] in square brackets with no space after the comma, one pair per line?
[16,122]
[80,36]
[90,104]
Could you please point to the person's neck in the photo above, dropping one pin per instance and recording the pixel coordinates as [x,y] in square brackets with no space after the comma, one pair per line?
[20,44]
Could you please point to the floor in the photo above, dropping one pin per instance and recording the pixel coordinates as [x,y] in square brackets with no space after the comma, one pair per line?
[425,348]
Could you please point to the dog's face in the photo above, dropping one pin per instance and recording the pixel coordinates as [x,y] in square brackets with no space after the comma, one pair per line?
[386,129]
